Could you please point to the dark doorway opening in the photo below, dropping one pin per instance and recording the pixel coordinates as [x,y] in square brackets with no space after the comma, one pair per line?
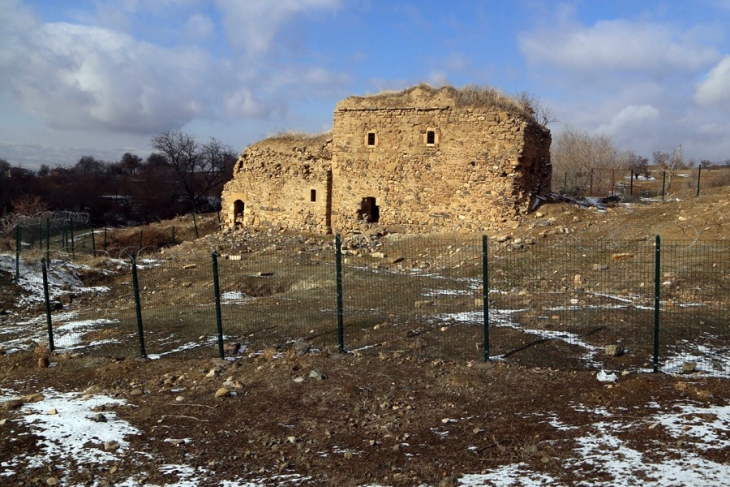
[369,211]
[238,207]
[313,195]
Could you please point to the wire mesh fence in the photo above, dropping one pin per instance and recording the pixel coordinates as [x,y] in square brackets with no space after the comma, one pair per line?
[654,183]
[610,304]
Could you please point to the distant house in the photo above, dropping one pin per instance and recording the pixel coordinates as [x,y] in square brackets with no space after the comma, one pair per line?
[420,160]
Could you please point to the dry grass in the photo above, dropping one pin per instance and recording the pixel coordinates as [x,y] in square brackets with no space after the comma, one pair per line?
[468,96]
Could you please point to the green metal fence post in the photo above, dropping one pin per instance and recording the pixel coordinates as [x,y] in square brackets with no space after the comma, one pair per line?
[195,223]
[93,242]
[49,324]
[664,180]
[699,174]
[17,253]
[48,241]
[217,292]
[138,308]
[340,314]
[485,295]
[657,266]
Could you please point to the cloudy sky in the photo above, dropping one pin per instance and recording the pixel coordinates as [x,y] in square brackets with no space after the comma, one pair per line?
[101,77]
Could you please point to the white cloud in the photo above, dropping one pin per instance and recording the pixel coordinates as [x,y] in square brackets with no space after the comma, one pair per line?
[630,117]
[253,24]
[87,77]
[77,77]
[715,89]
[617,45]
[199,27]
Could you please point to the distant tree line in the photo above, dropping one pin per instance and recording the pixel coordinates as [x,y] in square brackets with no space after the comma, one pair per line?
[180,176]
[582,160]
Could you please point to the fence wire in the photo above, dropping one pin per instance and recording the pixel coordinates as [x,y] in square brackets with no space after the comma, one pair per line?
[572,305]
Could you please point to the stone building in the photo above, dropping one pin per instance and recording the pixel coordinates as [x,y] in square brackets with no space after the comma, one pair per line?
[421,160]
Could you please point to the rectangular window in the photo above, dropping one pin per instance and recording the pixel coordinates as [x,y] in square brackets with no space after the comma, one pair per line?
[313,195]
[431,137]
[371,138]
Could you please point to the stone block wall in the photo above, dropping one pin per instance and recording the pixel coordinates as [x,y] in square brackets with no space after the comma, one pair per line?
[418,161]
[477,169]
[282,182]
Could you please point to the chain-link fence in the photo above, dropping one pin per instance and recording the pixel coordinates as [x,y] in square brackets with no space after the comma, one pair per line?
[609,304]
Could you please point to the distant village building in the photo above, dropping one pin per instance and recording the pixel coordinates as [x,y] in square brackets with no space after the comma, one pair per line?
[420,160]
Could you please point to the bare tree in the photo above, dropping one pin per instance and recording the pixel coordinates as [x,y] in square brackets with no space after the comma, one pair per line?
[198,169]
[636,163]
[581,158]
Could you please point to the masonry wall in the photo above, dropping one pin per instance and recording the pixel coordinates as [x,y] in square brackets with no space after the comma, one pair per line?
[281,182]
[480,172]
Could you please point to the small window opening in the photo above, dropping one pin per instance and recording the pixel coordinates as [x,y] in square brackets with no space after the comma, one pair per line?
[431,137]
[313,195]
[371,138]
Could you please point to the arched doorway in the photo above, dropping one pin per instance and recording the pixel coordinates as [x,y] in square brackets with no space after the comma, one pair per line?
[238,207]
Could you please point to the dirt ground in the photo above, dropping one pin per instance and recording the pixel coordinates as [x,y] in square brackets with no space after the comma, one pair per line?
[316,417]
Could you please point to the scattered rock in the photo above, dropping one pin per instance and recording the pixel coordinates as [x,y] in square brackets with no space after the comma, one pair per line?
[111,445]
[613,350]
[317,375]
[378,255]
[423,303]
[621,256]
[136,392]
[36,397]
[189,266]
[502,238]
[53,412]
[43,362]
[222,392]
[689,367]
[301,347]
[600,267]
[51,481]
[99,418]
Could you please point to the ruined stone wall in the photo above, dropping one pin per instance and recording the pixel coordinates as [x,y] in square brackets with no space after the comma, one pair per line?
[478,173]
[417,161]
[282,182]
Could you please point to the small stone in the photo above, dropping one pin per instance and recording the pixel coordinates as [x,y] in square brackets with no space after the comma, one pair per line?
[43,362]
[348,455]
[423,303]
[613,350]
[36,397]
[51,481]
[99,418]
[689,367]
[222,392]
[317,375]
[179,399]
[136,392]
[301,347]
[298,380]
[111,445]
[53,412]
[3,421]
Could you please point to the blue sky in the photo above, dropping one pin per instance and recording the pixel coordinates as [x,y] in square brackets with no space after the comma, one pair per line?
[101,77]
